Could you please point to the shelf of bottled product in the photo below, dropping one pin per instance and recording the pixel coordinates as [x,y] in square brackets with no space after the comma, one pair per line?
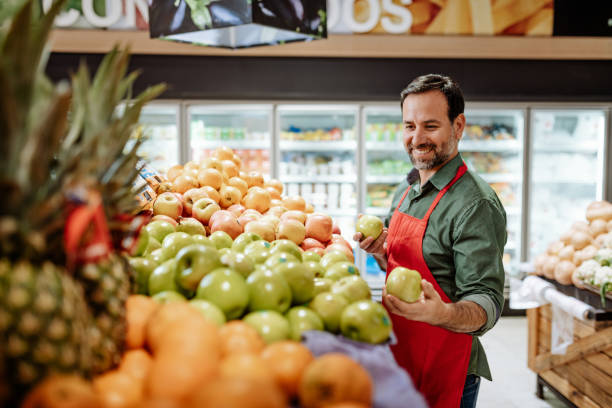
[386,179]
[384,146]
[378,211]
[500,177]
[490,145]
[317,146]
[585,147]
[319,179]
[233,144]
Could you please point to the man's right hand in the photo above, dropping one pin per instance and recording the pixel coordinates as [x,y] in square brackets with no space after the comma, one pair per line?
[373,246]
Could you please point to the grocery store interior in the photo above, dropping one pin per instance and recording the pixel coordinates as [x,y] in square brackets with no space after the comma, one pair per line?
[324,118]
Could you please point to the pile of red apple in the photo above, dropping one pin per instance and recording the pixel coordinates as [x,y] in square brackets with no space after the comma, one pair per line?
[234,248]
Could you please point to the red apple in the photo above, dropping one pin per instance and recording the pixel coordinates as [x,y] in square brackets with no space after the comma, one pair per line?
[276,211]
[264,229]
[339,239]
[294,215]
[310,243]
[224,153]
[258,199]
[247,218]
[319,226]
[230,169]
[254,179]
[336,229]
[276,203]
[184,182]
[228,224]
[274,194]
[240,184]
[294,203]
[271,219]
[212,193]
[341,248]
[174,172]
[162,217]
[210,177]
[309,209]
[220,214]
[276,184]
[212,163]
[292,230]
[318,251]
[191,196]
[168,204]
[229,196]
[236,209]
[204,209]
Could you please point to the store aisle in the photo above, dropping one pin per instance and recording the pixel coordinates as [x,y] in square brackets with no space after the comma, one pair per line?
[513,383]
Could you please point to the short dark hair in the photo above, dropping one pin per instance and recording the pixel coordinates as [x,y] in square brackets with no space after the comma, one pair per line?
[435,82]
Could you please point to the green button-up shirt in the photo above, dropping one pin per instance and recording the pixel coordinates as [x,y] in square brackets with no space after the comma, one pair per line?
[463,244]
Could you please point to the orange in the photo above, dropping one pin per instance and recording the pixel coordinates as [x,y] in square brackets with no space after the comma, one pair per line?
[224,153]
[137,364]
[62,391]
[139,310]
[162,317]
[334,378]
[238,393]
[250,366]
[288,360]
[118,390]
[238,337]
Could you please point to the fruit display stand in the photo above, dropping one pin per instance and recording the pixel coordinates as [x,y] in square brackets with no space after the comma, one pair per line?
[581,377]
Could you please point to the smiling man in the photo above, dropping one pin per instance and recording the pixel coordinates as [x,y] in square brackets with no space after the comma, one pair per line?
[449,225]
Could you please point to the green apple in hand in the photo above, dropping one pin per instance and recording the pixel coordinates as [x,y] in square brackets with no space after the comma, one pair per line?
[243,240]
[333,257]
[353,288]
[329,307]
[311,256]
[241,263]
[159,229]
[322,285]
[258,251]
[300,280]
[211,312]
[339,270]
[163,278]
[270,325]
[404,284]
[174,241]
[367,321]
[168,296]
[369,226]
[301,319]
[143,268]
[268,290]
[287,246]
[193,262]
[191,226]
[221,239]
[227,290]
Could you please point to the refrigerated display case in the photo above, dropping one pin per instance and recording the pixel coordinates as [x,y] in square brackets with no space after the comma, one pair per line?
[317,152]
[567,170]
[161,125]
[246,128]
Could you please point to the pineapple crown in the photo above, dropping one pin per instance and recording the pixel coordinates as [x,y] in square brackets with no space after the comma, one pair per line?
[56,139]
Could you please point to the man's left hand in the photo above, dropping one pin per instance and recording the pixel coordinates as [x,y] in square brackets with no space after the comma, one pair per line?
[429,308]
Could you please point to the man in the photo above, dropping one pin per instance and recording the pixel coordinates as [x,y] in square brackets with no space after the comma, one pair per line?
[450,226]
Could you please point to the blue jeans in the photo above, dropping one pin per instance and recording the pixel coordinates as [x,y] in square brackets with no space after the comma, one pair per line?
[470,391]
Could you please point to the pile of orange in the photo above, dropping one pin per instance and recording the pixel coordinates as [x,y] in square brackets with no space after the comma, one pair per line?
[176,358]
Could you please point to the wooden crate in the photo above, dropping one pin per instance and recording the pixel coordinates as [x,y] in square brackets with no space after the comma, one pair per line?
[583,375]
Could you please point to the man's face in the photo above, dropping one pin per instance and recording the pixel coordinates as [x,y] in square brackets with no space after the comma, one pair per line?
[429,137]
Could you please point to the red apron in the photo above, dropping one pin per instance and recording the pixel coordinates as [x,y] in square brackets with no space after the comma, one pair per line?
[436,359]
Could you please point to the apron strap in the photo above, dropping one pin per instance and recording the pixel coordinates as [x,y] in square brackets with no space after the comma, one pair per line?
[460,172]
[402,200]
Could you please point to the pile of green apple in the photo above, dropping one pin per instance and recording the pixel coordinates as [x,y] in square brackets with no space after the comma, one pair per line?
[276,287]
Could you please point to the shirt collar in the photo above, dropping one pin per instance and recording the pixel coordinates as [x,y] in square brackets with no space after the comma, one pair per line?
[442,177]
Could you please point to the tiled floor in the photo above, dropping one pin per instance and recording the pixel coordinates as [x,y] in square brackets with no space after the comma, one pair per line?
[513,384]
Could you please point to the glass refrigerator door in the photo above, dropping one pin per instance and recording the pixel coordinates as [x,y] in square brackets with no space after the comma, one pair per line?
[567,168]
[317,159]
[161,131]
[492,146]
[386,165]
[244,128]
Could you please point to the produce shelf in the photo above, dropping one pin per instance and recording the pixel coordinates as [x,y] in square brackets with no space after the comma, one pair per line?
[589,296]
[386,179]
[319,179]
[384,146]
[233,144]
[489,146]
[318,146]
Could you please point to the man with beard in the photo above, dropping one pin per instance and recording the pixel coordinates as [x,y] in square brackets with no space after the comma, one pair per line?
[449,225]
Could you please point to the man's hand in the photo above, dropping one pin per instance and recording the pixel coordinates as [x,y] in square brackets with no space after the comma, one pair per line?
[429,308]
[376,247]
[462,317]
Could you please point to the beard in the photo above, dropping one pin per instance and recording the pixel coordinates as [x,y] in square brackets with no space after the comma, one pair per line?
[441,154]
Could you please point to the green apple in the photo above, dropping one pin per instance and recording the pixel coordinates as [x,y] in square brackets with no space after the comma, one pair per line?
[301,319]
[227,290]
[322,285]
[329,307]
[341,269]
[239,262]
[268,290]
[143,268]
[159,229]
[152,245]
[209,310]
[191,226]
[243,240]
[315,267]
[279,258]
[174,241]
[311,256]
[353,288]
[369,226]
[300,280]
[258,251]
[168,296]
[333,257]
[141,243]
[367,321]
[163,278]
[404,283]
[270,325]
[224,251]
[201,239]
[287,246]
[221,239]
[158,256]
[193,262]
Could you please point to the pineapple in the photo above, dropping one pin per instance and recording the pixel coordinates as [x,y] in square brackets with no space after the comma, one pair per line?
[60,309]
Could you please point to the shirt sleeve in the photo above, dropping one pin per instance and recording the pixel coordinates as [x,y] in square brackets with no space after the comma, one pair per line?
[478,247]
